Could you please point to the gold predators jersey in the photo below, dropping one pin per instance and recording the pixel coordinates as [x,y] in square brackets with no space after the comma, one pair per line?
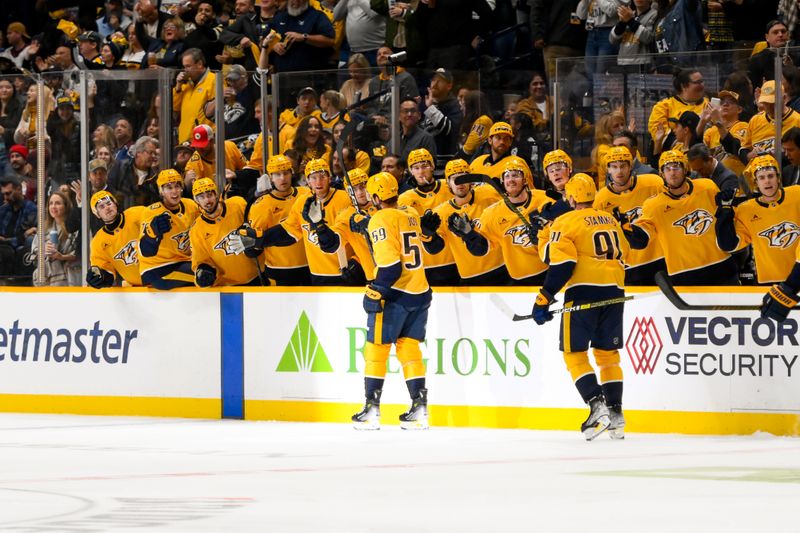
[210,241]
[593,240]
[291,118]
[203,168]
[774,231]
[270,210]
[421,202]
[630,203]
[357,241]
[395,236]
[684,227]
[711,136]
[257,157]
[467,264]
[319,262]
[174,246]
[117,250]
[672,107]
[761,131]
[478,133]
[501,226]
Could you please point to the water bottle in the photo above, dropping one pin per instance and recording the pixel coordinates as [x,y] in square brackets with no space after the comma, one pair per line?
[53,237]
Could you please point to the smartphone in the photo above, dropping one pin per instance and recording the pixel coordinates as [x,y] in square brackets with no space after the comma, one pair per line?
[715,102]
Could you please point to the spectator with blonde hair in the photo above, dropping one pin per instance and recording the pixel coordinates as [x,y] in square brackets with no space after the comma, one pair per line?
[358,67]
[332,103]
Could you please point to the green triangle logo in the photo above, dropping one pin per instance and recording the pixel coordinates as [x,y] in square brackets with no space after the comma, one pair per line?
[304,353]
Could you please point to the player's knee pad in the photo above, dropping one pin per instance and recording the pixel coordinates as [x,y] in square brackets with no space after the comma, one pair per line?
[376,356]
[410,356]
[578,364]
[608,361]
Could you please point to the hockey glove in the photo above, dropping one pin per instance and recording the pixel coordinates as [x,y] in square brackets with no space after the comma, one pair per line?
[459,225]
[554,210]
[373,299]
[541,308]
[249,237]
[95,278]
[725,198]
[205,275]
[161,224]
[263,184]
[359,223]
[353,274]
[312,211]
[623,219]
[778,302]
[235,243]
[430,222]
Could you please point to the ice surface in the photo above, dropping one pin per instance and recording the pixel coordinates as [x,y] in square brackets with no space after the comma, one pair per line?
[109,474]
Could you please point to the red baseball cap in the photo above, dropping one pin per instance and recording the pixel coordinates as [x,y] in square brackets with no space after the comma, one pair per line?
[201,136]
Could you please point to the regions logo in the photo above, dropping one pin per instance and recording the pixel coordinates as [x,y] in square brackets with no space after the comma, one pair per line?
[128,254]
[304,353]
[781,235]
[695,223]
[644,345]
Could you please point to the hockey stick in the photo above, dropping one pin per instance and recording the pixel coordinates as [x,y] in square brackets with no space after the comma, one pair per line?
[506,310]
[675,299]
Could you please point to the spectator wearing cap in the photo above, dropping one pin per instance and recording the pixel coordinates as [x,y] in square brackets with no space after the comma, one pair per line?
[65,135]
[22,170]
[240,96]
[194,90]
[113,19]
[365,29]
[17,226]
[443,115]
[203,163]
[89,43]
[412,136]
[761,66]
[306,106]
[18,50]
[134,179]
[306,38]
[501,140]
[724,120]
[760,137]
[111,53]
[182,153]
[683,136]
[382,83]
[704,165]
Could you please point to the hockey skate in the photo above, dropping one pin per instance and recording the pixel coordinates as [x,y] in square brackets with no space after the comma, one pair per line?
[417,415]
[370,416]
[616,429]
[598,420]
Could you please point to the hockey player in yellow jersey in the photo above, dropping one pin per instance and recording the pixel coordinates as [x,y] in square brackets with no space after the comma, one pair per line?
[350,228]
[286,265]
[440,269]
[557,167]
[511,231]
[115,247]
[769,222]
[218,258]
[681,219]
[165,260]
[452,225]
[627,192]
[585,251]
[308,222]
[203,162]
[396,303]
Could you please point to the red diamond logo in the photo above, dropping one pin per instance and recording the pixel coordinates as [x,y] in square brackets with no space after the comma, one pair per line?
[644,345]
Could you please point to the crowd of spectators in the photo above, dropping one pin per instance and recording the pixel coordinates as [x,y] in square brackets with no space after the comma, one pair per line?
[468,65]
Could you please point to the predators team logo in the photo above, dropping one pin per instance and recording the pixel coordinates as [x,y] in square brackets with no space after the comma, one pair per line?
[634,213]
[313,238]
[519,236]
[227,246]
[128,254]
[182,239]
[781,235]
[695,223]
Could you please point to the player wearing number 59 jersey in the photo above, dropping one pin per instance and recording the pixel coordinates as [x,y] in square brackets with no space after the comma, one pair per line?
[585,249]
[396,303]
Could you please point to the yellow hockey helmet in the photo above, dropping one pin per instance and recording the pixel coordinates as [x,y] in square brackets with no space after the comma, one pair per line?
[203,185]
[418,156]
[278,163]
[556,156]
[581,188]
[357,176]
[383,185]
[514,162]
[101,196]
[618,153]
[169,175]
[456,166]
[673,156]
[501,128]
[317,165]
[764,161]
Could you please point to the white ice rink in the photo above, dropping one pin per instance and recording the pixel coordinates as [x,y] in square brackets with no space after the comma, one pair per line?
[78,474]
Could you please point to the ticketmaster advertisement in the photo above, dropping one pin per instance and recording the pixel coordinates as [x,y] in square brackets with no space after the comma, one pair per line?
[309,347]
